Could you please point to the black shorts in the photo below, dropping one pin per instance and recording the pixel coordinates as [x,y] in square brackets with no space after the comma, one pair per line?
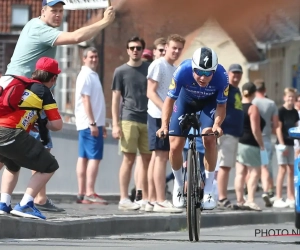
[25,151]
[156,143]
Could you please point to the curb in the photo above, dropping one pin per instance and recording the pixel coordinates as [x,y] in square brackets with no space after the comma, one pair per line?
[111,198]
[70,198]
[20,228]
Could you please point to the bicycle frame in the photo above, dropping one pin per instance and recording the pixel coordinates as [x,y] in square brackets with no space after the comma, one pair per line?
[193,192]
[192,140]
[192,146]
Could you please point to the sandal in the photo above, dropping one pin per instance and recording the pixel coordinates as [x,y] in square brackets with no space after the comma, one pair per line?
[252,206]
[226,204]
[241,206]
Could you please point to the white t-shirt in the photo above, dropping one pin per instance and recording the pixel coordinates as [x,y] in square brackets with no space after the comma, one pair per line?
[162,72]
[88,83]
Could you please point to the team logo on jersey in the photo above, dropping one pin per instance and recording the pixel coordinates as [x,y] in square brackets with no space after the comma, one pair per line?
[238,101]
[212,113]
[172,85]
[226,91]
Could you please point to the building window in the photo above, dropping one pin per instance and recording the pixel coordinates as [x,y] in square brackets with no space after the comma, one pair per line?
[20,15]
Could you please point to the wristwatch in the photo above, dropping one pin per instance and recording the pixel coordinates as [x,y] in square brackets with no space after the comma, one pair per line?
[93,124]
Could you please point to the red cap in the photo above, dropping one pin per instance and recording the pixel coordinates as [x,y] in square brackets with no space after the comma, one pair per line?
[48,64]
[147,53]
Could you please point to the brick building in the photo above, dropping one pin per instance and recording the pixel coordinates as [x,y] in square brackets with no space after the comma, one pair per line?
[260,36]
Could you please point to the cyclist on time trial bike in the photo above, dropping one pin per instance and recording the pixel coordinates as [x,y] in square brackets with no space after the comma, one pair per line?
[198,84]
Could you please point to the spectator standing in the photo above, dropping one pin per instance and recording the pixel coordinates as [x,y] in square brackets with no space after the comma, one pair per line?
[90,123]
[233,129]
[137,193]
[147,55]
[160,75]
[159,47]
[158,51]
[269,112]
[250,149]
[130,84]
[288,118]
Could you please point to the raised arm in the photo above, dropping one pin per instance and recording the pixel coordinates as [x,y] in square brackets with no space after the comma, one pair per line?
[88,32]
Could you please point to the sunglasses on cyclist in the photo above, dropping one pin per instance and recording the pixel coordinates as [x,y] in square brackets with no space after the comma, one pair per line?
[138,48]
[200,72]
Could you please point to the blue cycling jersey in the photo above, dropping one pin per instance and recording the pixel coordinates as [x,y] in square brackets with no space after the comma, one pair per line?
[183,78]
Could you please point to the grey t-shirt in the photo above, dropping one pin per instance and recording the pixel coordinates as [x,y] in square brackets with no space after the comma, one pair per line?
[35,41]
[132,82]
[267,109]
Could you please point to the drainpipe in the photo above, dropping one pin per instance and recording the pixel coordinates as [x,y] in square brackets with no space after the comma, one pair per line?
[101,56]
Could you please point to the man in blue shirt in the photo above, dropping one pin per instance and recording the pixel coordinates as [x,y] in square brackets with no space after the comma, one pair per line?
[198,84]
[233,129]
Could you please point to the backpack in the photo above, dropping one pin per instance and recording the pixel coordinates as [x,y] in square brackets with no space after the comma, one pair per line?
[11,93]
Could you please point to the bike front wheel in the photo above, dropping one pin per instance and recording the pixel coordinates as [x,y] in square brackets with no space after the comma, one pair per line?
[193,206]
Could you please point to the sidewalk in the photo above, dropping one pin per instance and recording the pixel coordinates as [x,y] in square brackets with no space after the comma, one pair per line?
[81,220]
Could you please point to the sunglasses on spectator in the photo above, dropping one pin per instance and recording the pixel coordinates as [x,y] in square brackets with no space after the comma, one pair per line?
[138,48]
[200,72]
[161,50]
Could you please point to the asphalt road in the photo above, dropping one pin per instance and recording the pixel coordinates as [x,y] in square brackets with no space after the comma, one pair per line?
[231,238]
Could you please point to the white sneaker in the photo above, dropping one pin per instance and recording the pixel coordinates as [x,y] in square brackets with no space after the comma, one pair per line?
[149,206]
[126,204]
[178,200]
[279,203]
[166,207]
[291,203]
[142,204]
[208,202]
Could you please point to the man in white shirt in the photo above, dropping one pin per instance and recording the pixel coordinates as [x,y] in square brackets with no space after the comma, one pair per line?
[159,77]
[90,112]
